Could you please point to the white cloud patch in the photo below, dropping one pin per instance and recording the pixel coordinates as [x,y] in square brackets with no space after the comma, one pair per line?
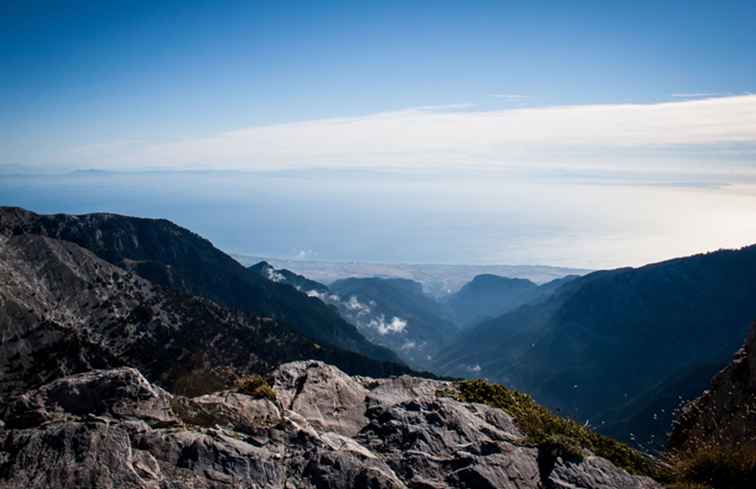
[437,137]
[355,306]
[324,296]
[474,368]
[359,314]
[395,326]
[408,345]
[274,275]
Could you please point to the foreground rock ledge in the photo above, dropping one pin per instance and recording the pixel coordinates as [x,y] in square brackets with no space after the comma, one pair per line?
[113,429]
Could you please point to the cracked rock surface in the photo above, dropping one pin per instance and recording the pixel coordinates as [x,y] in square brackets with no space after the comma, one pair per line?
[113,428]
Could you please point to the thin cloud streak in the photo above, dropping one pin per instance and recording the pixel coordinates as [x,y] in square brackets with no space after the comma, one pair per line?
[447,137]
[700,95]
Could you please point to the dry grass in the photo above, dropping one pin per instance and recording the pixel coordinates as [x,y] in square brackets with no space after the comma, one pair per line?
[714,467]
[560,436]
[256,386]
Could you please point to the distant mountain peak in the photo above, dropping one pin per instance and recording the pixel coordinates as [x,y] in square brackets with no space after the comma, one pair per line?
[263,265]
[487,296]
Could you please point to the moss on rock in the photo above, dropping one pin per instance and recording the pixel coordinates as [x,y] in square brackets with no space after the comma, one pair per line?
[561,436]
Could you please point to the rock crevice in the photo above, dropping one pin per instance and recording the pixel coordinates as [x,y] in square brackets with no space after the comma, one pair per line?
[113,428]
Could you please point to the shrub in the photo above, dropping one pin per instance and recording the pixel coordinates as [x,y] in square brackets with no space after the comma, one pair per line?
[256,386]
[558,445]
[715,467]
[554,434]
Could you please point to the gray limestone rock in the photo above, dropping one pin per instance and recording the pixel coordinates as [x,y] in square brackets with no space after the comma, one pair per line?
[112,428]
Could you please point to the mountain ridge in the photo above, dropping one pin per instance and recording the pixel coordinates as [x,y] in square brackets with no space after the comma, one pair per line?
[603,339]
[439,280]
[487,296]
[177,258]
[64,310]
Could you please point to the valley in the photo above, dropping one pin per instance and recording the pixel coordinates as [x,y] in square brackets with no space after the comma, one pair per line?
[616,353]
[377,245]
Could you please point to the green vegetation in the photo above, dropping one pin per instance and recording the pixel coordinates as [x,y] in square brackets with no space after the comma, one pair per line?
[560,436]
[256,386]
[709,467]
[714,467]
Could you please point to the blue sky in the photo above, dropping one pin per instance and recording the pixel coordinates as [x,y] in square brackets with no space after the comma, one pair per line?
[575,133]
[82,79]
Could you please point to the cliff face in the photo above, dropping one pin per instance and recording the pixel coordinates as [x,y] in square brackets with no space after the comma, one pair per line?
[323,429]
[725,415]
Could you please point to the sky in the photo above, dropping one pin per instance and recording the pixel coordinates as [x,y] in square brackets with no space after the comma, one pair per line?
[659,94]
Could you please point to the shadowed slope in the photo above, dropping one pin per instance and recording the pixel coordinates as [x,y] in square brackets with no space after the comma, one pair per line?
[174,257]
[608,339]
[64,310]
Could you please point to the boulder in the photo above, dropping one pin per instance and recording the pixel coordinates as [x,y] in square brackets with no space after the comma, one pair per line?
[112,428]
[118,393]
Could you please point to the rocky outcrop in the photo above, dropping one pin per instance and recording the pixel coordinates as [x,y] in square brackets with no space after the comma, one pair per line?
[118,393]
[725,415]
[325,429]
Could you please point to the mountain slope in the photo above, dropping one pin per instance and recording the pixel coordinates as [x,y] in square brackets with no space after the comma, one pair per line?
[176,258]
[610,337]
[299,282]
[713,442]
[725,415]
[488,296]
[64,310]
[395,313]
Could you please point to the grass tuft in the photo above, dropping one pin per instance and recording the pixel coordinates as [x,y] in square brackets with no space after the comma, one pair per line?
[560,436]
[256,386]
[715,467]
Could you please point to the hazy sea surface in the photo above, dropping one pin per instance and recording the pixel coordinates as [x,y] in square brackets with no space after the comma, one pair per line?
[584,222]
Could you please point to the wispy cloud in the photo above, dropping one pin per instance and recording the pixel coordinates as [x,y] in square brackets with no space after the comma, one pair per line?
[699,95]
[304,255]
[356,307]
[383,327]
[438,137]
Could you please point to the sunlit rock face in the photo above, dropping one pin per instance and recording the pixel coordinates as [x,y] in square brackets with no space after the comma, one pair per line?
[324,429]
